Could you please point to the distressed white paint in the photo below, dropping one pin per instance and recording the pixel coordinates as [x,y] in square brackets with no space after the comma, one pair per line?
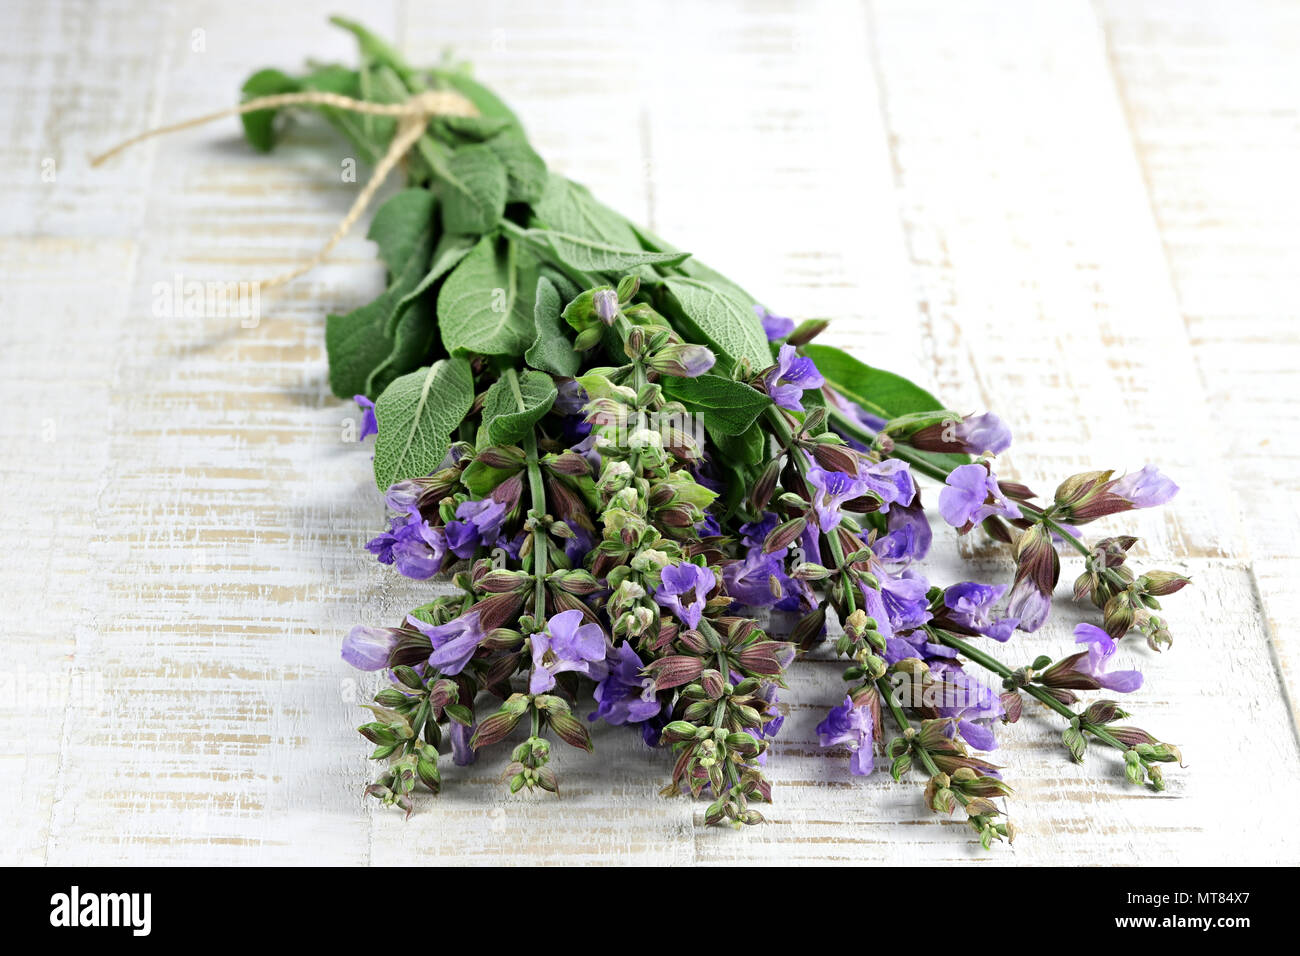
[1031,207]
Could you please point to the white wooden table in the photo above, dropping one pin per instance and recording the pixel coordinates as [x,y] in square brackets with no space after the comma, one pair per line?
[1084,217]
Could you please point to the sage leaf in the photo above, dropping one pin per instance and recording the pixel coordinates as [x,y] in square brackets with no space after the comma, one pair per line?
[417,414]
[515,403]
[366,350]
[259,126]
[486,304]
[551,350]
[723,321]
[728,407]
[472,186]
[570,208]
[590,255]
[525,169]
[447,254]
[747,448]
[879,392]
[400,224]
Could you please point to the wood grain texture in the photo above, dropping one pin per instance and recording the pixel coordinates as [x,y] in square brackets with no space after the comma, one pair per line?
[1214,109]
[990,197]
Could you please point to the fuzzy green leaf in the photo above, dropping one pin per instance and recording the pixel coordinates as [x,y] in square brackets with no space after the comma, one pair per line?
[525,170]
[551,350]
[720,319]
[364,355]
[590,255]
[515,403]
[400,224]
[472,186]
[417,414]
[728,407]
[486,304]
[447,254]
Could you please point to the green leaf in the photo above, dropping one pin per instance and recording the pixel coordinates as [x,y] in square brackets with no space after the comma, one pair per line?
[728,407]
[417,414]
[747,448]
[525,170]
[569,208]
[515,403]
[551,350]
[486,304]
[589,255]
[721,320]
[877,391]
[259,126]
[472,186]
[450,250]
[400,224]
[375,49]
[363,354]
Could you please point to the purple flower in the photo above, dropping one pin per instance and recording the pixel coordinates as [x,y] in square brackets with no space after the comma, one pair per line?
[454,643]
[1100,650]
[907,535]
[683,360]
[367,648]
[973,705]
[983,434]
[904,599]
[850,726]
[833,488]
[625,696]
[687,583]
[413,545]
[462,754]
[404,496]
[570,398]
[1028,605]
[477,522]
[753,535]
[566,645]
[605,303]
[891,481]
[750,581]
[775,326]
[1144,489]
[369,424]
[971,494]
[793,374]
[970,604]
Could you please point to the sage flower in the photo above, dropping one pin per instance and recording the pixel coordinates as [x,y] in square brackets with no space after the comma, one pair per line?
[831,490]
[793,374]
[369,423]
[776,327]
[566,645]
[1144,489]
[367,648]
[625,696]
[454,643]
[684,589]
[851,726]
[971,494]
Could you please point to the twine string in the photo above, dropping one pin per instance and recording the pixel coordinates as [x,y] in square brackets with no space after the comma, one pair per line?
[412,115]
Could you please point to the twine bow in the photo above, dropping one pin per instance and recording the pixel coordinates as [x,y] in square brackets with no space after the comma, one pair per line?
[413,117]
